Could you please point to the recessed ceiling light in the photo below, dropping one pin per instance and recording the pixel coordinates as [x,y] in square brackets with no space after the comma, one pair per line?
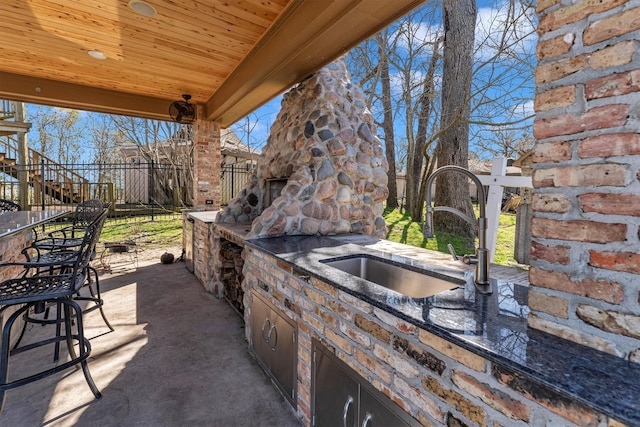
[96,54]
[142,8]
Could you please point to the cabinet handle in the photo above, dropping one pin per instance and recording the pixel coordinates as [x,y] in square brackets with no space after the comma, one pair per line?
[345,410]
[366,420]
[264,326]
[275,342]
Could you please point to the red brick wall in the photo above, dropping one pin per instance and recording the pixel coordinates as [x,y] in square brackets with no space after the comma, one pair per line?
[585,269]
[432,379]
[206,166]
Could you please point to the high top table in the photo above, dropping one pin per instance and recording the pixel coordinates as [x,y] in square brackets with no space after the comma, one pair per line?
[15,222]
[15,235]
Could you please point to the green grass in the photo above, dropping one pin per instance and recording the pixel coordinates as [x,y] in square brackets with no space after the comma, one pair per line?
[403,230]
[165,230]
[162,230]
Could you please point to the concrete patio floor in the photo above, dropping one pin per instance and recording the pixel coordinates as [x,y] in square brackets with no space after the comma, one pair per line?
[177,357]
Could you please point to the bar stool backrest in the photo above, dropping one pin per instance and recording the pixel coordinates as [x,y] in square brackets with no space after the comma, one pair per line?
[9,206]
[89,242]
[86,212]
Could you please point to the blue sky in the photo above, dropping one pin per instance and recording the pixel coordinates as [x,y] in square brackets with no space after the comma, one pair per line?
[516,95]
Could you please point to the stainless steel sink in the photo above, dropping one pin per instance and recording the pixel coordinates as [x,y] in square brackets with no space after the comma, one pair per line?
[397,277]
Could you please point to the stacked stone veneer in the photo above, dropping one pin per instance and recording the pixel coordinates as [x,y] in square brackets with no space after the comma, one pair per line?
[433,380]
[324,142]
[585,270]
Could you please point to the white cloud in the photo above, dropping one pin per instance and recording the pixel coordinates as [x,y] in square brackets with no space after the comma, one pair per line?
[523,110]
[490,34]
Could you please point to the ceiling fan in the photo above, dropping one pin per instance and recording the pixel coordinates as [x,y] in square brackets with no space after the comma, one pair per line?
[183,112]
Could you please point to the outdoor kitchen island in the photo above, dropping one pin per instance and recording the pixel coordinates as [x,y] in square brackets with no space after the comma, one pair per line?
[455,358]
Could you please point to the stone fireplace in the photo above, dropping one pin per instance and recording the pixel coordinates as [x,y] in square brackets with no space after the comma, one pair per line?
[323,170]
[273,190]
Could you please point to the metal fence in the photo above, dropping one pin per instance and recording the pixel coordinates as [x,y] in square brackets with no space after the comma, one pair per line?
[234,179]
[131,189]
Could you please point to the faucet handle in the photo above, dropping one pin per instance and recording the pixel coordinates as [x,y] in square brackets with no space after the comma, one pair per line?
[453,252]
[470,259]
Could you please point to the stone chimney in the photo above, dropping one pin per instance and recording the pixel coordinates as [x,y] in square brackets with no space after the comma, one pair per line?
[323,170]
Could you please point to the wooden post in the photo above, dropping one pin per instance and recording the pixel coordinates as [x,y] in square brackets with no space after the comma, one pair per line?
[496,181]
[494,204]
[23,159]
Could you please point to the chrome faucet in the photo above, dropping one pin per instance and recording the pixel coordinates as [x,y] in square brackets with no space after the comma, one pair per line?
[481,257]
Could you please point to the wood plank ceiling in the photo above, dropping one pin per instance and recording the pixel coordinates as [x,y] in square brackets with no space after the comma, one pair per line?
[231,56]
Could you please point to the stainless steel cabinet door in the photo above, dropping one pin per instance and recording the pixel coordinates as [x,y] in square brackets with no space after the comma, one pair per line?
[283,348]
[342,398]
[374,413]
[260,326]
[273,342]
[336,394]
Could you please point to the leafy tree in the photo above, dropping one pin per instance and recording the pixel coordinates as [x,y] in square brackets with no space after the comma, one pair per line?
[162,143]
[495,98]
[103,135]
[59,133]
[249,126]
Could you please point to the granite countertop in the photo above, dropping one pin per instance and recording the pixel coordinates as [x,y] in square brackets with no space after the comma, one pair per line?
[493,326]
[13,222]
[204,216]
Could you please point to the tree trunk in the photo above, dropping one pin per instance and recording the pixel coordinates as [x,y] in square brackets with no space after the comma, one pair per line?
[452,189]
[421,159]
[387,124]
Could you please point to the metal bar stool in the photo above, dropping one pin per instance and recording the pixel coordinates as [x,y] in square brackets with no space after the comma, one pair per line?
[70,237]
[59,247]
[9,206]
[38,259]
[45,289]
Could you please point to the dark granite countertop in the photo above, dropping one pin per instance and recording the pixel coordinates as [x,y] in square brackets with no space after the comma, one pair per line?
[493,326]
[13,222]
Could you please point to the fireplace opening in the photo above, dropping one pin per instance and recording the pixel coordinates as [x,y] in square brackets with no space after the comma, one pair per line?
[273,190]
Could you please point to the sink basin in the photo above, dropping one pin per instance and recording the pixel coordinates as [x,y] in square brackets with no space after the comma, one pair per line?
[403,279]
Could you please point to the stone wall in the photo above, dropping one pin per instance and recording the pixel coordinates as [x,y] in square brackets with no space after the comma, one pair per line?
[585,269]
[324,143]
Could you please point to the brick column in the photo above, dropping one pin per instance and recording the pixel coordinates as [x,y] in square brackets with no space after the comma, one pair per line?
[585,268]
[206,165]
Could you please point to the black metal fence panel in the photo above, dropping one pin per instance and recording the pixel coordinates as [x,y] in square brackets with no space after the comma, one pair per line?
[134,188]
[130,188]
[234,179]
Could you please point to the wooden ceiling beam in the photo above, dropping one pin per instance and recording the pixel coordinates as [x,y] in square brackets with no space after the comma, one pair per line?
[215,50]
[69,95]
[321,32]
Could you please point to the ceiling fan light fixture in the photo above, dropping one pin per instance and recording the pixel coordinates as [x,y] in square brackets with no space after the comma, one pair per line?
[142,8]
[96,54]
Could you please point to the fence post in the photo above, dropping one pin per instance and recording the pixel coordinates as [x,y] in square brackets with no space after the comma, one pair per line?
[111,198]
[494,204]
[495,182]
[43,182]
[153,188]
